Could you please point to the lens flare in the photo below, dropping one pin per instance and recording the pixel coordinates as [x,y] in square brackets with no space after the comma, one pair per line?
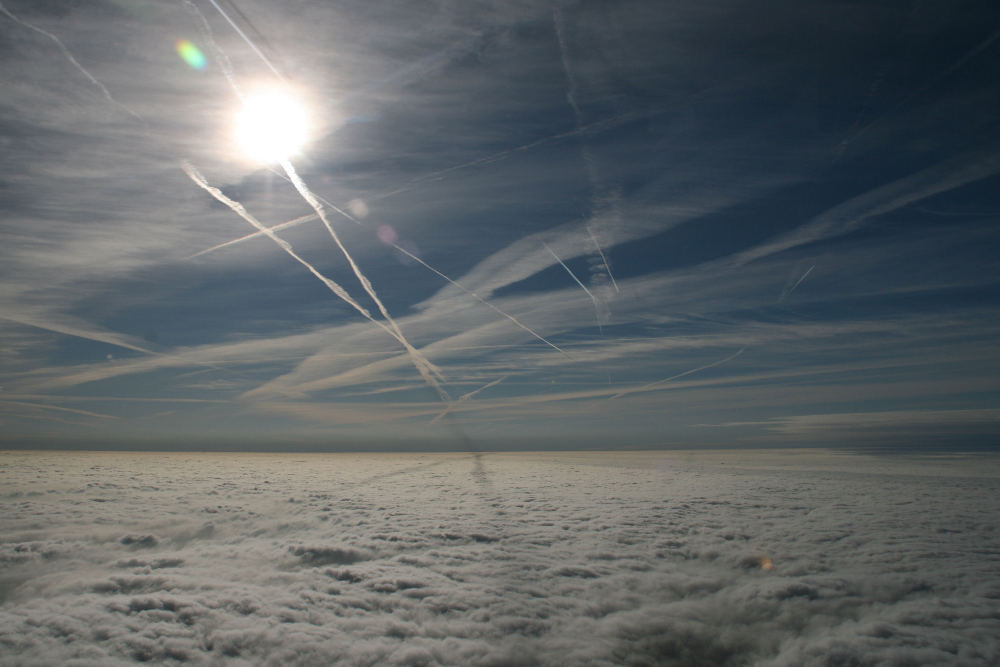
[190,54]
[272,126]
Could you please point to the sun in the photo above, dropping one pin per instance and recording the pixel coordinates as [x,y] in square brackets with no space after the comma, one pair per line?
[272,126]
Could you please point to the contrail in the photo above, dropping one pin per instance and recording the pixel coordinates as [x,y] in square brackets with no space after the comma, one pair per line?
[564,57]
[481,299]
[396,246]
[246,39]
[604,259]
[58,408]
[275,228]
[240,210]
[425,367]
[797,282]
[584,287]
[431,374]
[220,55]
[646,387]
[572,275]
[466,397]
[588,157]
[595,127]
[69,56]
[969,55]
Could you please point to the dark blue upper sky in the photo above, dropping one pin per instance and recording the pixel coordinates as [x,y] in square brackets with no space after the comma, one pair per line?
[662,223]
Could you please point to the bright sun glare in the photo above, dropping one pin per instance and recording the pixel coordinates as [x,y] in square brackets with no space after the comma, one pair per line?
[271,126]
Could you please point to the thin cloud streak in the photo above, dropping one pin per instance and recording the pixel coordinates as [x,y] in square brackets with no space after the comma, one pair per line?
[73,61]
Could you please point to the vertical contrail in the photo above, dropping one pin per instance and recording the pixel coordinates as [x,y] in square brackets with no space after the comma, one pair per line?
[425,367]
[465,397]
[646,387]
[597,314]
[69,56]
[607,266]
[588,158]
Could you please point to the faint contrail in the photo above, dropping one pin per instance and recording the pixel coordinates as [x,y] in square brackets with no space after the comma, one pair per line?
[588,157]
[72,60]
[797,283]
[276,228]
[481,299]
[904,102]
[425,367]
[60,409]
[223,60]
[465,397]
[595,127]
[649,386]
[239,209]
[582,286]
[246,39]
[607,266]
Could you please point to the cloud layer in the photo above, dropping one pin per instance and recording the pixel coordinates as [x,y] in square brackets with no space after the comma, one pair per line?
[797,558]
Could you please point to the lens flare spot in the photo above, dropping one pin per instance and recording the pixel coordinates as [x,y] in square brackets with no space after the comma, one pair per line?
[272,126]
[387,235]
[358,208]
[190,54]
[766,564]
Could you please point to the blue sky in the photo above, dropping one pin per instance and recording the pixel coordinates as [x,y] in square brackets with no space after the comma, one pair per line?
[677,224]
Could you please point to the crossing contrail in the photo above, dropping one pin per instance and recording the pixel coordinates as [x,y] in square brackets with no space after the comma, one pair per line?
[431,373]
[465,397]
[396,246]
[425,368]
[276,228]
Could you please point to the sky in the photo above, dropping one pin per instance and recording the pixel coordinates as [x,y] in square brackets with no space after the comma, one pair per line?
[544,224]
